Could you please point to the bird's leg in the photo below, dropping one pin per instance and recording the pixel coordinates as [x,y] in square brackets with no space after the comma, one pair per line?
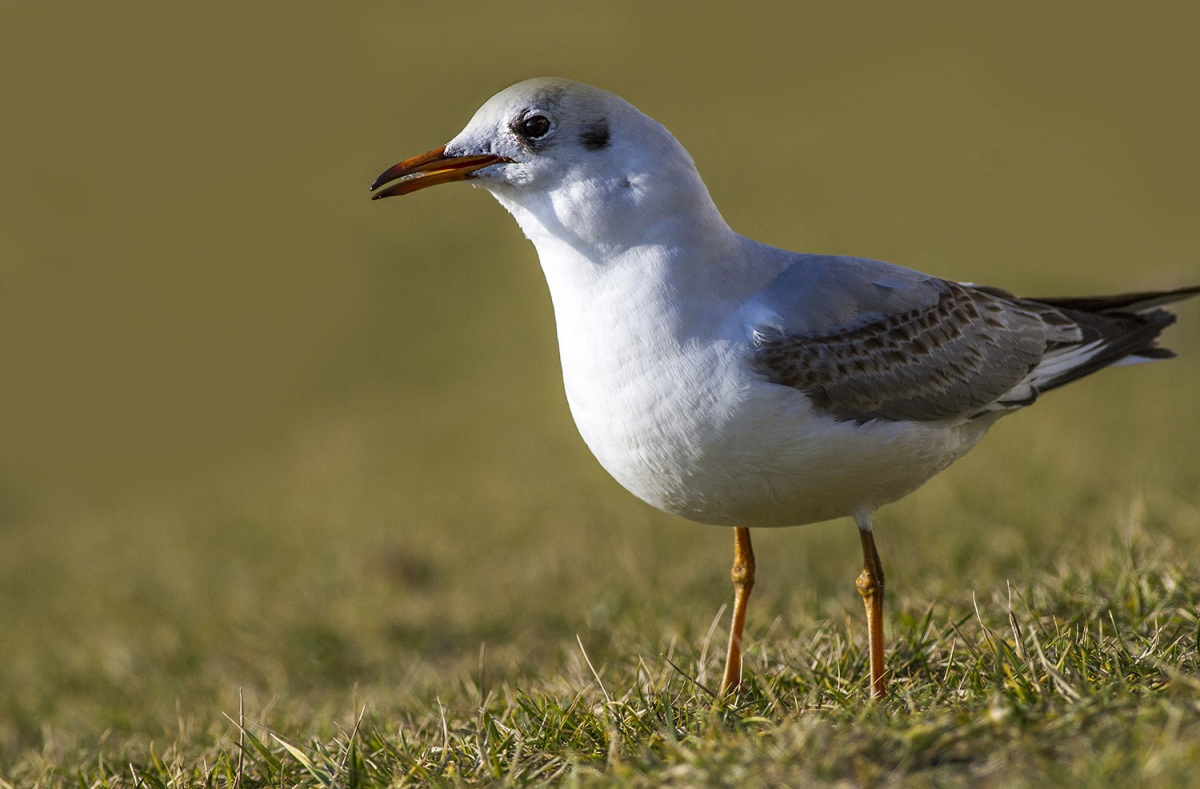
[743,582]
[870,586]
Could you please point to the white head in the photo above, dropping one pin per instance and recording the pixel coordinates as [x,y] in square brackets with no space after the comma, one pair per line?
[573,163]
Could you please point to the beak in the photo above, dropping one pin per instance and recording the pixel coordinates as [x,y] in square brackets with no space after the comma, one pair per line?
[430,169]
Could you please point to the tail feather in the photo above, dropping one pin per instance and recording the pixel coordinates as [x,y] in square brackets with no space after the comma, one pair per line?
[1136,303]
[1112,329]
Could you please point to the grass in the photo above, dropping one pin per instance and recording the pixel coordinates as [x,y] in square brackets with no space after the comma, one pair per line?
[1077,677]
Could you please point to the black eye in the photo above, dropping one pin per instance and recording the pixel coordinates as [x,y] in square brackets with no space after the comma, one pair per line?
[535,126]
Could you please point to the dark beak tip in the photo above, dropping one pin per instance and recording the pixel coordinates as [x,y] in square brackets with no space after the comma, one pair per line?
[380,181]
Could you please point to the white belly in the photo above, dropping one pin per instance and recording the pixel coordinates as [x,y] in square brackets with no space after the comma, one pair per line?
[698,434]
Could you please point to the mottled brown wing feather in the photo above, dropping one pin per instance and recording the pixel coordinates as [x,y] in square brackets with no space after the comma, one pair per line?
[953,359]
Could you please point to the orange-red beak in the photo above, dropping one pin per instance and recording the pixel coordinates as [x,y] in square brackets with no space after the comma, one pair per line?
[430,169]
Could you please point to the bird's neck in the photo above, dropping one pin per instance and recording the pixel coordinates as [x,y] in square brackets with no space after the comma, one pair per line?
[604,217]
[678,260]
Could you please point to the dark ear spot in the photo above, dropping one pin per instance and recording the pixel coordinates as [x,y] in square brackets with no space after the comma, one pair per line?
[595,136]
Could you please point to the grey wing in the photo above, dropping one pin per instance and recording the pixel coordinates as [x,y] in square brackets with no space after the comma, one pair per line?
[954,352]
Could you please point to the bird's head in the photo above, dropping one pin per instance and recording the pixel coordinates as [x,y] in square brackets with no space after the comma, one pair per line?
[566,159]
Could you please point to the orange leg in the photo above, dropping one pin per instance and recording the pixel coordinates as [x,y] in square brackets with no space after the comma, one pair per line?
[870,586]
[743,582]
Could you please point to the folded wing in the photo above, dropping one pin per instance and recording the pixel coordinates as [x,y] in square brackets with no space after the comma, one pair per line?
[951,350]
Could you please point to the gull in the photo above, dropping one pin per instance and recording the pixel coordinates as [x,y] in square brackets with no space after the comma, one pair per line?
[734,383]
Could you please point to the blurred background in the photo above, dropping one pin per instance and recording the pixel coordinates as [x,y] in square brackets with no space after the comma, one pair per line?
[257,431]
